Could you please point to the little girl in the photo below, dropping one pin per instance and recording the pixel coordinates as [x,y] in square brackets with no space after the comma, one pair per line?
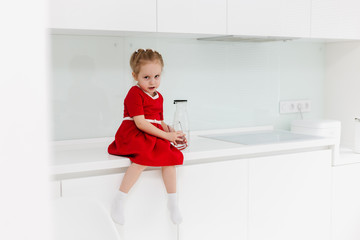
[143,136]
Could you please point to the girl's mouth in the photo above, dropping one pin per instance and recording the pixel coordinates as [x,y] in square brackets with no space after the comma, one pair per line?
[151,88]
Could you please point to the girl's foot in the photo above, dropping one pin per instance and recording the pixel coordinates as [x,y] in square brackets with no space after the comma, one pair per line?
[118,208]
[175,214]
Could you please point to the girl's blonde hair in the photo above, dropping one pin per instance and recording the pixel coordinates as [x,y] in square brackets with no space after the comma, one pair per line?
[142,56]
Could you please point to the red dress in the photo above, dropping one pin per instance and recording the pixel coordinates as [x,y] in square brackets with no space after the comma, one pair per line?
[140,147]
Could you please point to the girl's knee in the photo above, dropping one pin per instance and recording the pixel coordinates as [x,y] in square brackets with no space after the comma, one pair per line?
[168,167]
[139,167]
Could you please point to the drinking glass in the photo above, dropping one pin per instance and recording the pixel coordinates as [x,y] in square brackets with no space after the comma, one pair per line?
[180,144]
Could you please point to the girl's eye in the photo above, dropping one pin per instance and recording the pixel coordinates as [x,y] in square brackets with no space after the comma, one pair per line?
[157,76]
[146,77]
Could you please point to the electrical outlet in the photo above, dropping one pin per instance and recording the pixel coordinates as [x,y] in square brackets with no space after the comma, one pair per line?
[295,106]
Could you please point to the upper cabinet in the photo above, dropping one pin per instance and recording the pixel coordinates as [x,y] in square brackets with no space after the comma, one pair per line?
[269,18]
[123,15]
[192,16]
[327,19]
[335,19]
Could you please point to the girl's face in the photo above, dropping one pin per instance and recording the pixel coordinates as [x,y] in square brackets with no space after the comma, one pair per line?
[149,77]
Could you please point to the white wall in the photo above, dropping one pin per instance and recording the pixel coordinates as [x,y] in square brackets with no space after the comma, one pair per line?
[342,88]
[25,212]
[226,84]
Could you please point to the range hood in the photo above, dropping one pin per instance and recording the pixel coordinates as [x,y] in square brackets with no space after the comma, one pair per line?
[234,38]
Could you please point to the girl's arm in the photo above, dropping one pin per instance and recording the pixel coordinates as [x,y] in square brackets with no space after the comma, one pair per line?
[147,127]
[165,127]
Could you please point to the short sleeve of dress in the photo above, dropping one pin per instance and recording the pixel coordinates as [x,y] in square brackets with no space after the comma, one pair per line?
[134,103]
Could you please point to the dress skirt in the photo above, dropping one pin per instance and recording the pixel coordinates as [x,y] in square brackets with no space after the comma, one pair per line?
[143,148]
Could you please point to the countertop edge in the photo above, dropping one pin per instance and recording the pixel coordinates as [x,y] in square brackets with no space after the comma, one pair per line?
[121,162]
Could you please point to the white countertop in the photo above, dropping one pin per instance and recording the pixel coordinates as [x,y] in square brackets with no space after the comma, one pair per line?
[75,156]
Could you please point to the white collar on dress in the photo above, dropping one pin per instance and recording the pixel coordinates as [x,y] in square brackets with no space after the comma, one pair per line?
[153,97]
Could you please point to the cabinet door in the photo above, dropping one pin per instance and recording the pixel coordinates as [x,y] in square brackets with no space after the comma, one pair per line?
[290,196]
[269,18]
[337,19]
[192,16]
[346,199]
[124,15]
[55,189]
[213,200]
[146,211]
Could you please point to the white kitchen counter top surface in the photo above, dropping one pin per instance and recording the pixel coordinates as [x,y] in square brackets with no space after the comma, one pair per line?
[76,156]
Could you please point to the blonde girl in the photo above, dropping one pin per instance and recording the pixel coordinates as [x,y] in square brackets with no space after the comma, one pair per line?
[143,136]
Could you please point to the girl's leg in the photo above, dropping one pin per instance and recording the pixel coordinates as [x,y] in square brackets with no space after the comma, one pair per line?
[169,177]
[131,176]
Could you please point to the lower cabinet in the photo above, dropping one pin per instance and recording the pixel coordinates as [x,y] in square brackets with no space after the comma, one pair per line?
[290,197]
[213,200]
[278,197]
[55,189]
[146,211]
[346,202]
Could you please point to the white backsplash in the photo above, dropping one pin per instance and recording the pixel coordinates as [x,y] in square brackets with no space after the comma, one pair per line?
[342,98]
[226,84]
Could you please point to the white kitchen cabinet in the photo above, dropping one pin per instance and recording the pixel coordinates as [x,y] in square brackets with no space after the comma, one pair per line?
[290,196]
[192,16]
[55,189]
[147,216]
[213,200]
[269,18]
[346,202]
[335,19]
[117,15]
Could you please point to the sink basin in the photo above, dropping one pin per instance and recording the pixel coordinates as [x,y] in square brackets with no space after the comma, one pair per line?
[263,137]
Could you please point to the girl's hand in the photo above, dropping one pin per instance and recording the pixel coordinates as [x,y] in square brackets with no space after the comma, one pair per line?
[170,129]
[183,140]
[175,137]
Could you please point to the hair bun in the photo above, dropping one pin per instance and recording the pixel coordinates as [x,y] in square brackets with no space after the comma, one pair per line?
[143,55]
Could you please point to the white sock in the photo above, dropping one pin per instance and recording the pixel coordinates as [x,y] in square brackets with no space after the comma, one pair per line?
[118,208]
[175,214]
